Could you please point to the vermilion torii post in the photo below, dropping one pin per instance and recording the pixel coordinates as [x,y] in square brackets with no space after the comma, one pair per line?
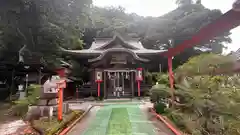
[171,77]
[139,78]
[226,22]
[60,86]
[98,81]
[98,87]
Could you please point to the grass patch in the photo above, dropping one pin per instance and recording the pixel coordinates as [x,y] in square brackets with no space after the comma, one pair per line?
[119,123]
[5,113]
[53,126]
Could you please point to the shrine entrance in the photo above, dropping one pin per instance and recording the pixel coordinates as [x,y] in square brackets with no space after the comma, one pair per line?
[119,83]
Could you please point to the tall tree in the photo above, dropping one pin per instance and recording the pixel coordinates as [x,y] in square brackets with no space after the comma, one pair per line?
[41,26]
[184,2]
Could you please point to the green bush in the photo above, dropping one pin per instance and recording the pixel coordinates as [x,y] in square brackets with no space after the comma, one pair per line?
[20,107]
[149,78]
[176,118]
[53,126]
[158,93]
[160,108]
[161,78]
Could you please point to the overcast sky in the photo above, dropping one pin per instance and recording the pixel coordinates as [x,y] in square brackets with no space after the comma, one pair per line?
[160,7]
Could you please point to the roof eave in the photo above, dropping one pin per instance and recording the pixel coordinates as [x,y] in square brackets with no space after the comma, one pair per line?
[118,50]
[80,52]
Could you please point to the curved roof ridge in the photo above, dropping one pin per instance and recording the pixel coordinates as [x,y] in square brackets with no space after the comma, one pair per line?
[118,50]
[118,36]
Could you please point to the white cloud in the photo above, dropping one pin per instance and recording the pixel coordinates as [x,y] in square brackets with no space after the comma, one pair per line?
[160,7]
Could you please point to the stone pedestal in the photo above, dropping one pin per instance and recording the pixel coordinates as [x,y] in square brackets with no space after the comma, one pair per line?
[22,95]
[48,102]
[35,112]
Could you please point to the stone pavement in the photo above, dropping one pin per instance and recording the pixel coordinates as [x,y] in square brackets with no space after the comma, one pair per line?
[94,122]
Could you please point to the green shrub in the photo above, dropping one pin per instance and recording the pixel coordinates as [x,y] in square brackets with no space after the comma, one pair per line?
[163,78]
[160,108]
[20,107]
[149,78]
[158,93]
[53,126]
[152,78]
[176,118]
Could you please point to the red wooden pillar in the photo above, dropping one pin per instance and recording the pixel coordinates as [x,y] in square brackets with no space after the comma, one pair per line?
[98,81]
[171,77]
[139,87]
[139,78]
[61,72]
[98,84]
[60,103]
[61,85]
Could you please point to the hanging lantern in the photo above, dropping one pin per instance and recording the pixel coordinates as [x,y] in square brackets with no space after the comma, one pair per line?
[98,76]
[139,76]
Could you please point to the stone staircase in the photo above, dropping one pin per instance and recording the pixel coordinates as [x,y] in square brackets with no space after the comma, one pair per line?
[125,95]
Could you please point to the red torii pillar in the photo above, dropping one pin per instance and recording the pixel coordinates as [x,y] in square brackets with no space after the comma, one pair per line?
[61,85]
[226,22]
[171,77]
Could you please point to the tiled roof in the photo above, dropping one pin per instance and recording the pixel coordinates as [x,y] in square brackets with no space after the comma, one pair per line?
[101,46]
[101,42]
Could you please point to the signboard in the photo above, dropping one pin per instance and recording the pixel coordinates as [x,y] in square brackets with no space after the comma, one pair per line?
[98,76]
[118,59]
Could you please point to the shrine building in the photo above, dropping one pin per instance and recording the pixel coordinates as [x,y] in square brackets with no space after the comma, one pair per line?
[116,61]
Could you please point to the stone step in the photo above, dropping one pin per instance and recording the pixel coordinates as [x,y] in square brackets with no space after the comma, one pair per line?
[125,94]
[111,96]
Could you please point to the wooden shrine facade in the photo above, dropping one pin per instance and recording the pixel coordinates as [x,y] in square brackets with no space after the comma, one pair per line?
[117,59]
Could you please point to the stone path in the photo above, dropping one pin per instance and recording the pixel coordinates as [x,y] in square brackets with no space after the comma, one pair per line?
[85,122]
[107,119]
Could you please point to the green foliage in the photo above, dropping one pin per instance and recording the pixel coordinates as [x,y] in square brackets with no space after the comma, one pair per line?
[210,105]
[20,107]
[157,32]
[160,108]
[42,26]
[177,118]
[53,126]
[205,64]
[161,78]
[55,23]
[149,78]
